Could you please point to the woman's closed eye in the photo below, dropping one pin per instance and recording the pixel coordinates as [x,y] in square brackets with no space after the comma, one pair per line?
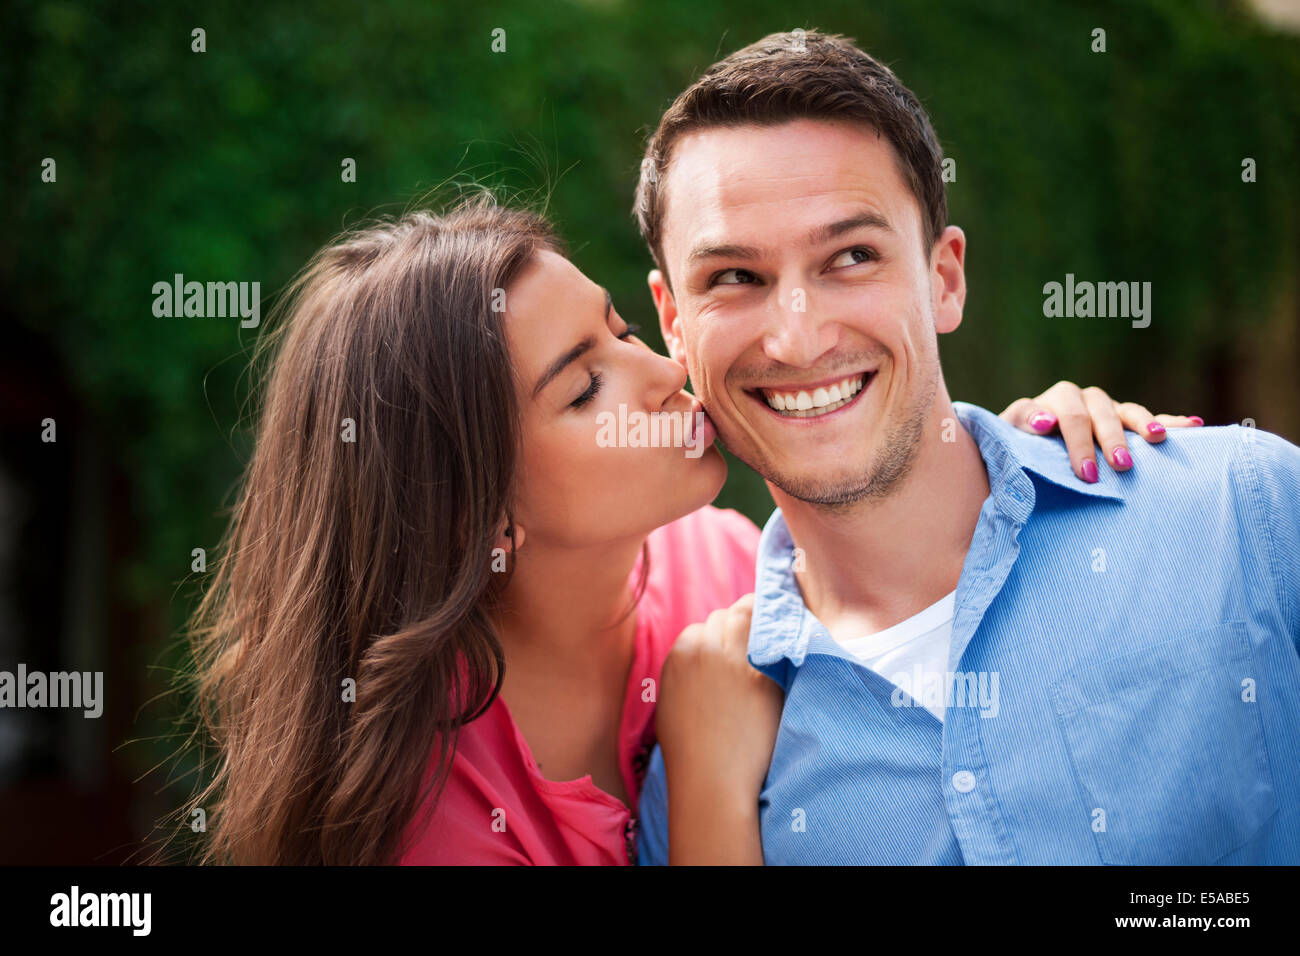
[597,379]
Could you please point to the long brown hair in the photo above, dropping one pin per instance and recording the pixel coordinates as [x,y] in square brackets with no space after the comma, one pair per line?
[367,559]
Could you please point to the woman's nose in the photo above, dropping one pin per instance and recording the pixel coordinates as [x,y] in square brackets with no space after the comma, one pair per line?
[670,377]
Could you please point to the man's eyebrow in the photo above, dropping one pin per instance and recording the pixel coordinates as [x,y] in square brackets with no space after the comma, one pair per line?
[744,253]
[578,351]
[866,220]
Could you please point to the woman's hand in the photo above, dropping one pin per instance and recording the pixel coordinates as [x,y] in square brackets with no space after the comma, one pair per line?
[717,721]
[1081,414]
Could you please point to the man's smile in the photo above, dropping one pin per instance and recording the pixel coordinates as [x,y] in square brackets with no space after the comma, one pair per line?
[812,400]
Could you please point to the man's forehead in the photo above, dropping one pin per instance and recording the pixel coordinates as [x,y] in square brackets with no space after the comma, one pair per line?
[723,179]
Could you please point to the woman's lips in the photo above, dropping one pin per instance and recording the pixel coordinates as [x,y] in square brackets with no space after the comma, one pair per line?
[703,431]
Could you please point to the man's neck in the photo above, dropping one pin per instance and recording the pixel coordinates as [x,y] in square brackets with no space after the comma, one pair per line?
[882,560]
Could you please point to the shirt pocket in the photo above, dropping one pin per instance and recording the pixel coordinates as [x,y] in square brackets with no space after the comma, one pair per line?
[1165,746]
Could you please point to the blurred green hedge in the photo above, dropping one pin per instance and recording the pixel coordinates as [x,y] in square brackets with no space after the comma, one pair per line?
[225,165]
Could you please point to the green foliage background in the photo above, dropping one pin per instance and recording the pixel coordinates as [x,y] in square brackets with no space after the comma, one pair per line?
[225,165]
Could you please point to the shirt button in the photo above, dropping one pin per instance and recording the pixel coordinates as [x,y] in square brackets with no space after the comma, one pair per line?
[963,781]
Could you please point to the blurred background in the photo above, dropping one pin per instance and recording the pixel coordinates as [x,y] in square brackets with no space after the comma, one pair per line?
[226,165]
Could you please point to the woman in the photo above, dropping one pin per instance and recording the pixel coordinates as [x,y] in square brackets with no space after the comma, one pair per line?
[439,623]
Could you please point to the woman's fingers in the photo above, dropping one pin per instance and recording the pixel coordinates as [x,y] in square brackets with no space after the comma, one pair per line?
[1062,406]
[1085,416]
[1139,419]
[1153,427]
[1028,415]
[1106,429]
[1180,421]
[1076,429]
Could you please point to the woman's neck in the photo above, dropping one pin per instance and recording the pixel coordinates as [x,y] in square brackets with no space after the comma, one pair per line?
[566,609]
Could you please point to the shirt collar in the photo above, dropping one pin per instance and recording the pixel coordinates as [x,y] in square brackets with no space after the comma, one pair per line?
[1005,447]
[782,628]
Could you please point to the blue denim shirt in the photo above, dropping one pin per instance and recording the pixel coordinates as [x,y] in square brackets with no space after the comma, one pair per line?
[1127,689]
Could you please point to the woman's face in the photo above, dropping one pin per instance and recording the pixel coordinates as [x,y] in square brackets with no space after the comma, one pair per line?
[609,451]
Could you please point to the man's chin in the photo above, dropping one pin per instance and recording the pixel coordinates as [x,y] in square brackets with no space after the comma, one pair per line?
[830,486]
[818,490]
[877,475]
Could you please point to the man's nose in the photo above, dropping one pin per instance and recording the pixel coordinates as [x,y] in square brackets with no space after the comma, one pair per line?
[797,333]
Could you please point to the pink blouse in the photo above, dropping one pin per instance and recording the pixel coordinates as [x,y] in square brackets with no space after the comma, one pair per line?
[497,808]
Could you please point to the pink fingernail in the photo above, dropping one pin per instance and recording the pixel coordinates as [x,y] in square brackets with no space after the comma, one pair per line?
[1156,428]
[1089,470]
[1043,422]
[1121,457]
[1197,419]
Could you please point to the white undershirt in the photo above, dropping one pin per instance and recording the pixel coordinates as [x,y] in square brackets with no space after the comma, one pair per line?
[913,654]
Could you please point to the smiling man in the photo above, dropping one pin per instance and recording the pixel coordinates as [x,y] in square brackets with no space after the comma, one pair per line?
[1117,659]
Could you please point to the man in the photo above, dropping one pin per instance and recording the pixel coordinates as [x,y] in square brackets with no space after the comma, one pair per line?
[984,659]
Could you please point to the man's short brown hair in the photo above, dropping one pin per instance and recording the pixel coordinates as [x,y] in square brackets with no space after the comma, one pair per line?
[790,76]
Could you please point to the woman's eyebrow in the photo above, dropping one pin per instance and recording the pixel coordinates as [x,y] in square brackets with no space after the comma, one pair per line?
[575,353]
[561,363]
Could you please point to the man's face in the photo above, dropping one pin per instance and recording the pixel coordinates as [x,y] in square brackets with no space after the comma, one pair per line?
[803,303]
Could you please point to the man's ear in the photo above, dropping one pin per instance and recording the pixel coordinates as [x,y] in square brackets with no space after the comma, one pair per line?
[948,279]
[670,325]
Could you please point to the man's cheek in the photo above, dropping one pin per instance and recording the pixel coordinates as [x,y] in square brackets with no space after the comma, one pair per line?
[698,373]
[703,365]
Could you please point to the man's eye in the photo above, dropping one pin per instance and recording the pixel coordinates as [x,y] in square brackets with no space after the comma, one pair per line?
[852,257]
[733,277]
[630,331]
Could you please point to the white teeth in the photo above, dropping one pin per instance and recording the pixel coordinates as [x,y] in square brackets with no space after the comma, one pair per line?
[825,398]
[822,399]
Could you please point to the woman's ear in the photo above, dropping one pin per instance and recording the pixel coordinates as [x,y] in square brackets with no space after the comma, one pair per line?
[669,321]
[510,538]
